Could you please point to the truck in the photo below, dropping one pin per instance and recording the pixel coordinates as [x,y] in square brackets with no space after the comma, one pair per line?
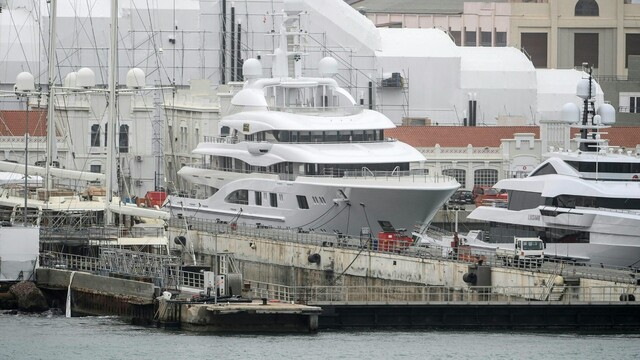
[526,251]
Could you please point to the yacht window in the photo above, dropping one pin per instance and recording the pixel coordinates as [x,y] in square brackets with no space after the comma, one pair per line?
[273,199]
[304,137]
[521,200]
[302,202]
[344,136]
[316,136]
[258,198]
[369,135]
[238,197]
[358,135]
[282,135]
[546,169]
[331,136]
[294,136]
[225,131]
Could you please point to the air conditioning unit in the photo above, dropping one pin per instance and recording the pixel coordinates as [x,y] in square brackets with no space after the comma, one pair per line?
[138,158]
[137,182]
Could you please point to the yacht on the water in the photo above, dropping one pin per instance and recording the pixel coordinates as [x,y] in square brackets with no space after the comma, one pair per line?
[299,152]
[584,204]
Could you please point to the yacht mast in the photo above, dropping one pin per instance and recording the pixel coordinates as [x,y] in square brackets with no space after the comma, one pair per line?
[111,123]
[51,132]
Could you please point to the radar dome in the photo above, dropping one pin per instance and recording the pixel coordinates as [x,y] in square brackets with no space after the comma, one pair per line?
[70,81]
[85,78]
[583,88]
[570,113]
[252,68]
[135,78]
[607,113]
[25,82]
[328,67]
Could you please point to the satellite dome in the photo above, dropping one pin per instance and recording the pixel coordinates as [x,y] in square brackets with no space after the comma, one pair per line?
[85,78]
[135,78]
[570,113]
[25,82]
[607,113]
[70,81]
[583,88]
[252,68]
[328,66]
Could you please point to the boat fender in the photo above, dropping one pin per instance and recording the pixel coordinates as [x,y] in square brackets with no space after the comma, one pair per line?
[627,297]
[314,258]
[470,278]
[234,226]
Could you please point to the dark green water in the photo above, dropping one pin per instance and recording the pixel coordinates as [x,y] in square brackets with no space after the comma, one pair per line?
[52,336]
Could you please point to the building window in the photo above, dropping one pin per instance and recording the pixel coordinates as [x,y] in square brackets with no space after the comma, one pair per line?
[587,8]
[501,38]
[632,47]
[123,139]
[273,199]
[485,38]
[95,135]
[535,45]
[585,49]
[459,174]
[485,177]
[96,168]
[457,37]
[258,198]
[469,38]
[302,202]
[629,103]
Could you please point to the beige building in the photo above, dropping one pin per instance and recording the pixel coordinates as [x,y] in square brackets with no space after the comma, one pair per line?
[555,34]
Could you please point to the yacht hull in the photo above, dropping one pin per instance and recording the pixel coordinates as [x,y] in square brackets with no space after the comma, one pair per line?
[334,206]
[613,238]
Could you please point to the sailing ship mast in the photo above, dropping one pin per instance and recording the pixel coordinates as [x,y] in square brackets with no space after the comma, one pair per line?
[111,123]
[51,133]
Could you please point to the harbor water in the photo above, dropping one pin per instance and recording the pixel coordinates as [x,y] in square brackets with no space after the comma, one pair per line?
[53,336]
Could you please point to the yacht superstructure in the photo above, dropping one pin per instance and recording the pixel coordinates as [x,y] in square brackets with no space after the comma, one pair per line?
[299,152]
[585,204]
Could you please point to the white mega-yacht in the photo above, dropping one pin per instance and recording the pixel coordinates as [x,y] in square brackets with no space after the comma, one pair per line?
[300,153]
[584,204]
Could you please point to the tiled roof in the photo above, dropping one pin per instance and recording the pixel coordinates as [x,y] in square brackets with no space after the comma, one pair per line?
[461,136]
[457,136]
[13,122]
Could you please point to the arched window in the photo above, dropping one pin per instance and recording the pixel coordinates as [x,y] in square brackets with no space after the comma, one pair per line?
[485,177]
[123,139]
[459,174]
[95,135]
[587,8]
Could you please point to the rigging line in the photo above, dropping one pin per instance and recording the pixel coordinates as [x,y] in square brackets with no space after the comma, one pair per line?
[159,64]
[339,212]
[18,38]
[366,245]
[323,214]
[95,42]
